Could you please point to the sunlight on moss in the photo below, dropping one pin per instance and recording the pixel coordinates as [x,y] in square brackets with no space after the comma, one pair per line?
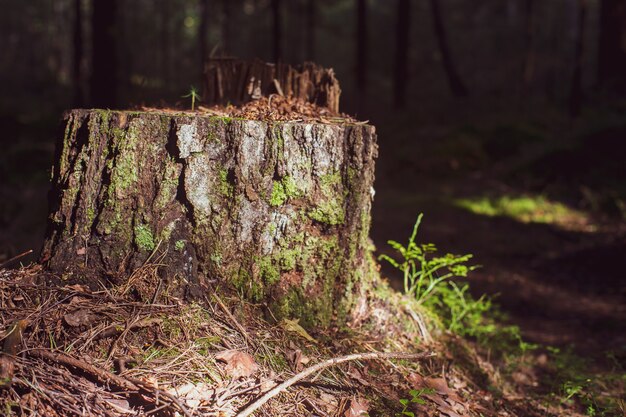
[527,209]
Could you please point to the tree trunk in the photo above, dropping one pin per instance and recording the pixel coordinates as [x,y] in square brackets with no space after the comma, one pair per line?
[612,46]
[528,70]
[576,89]
[104,54]
[277,30]
[401,71]
[278,210]
[202,33]
[361,46]
[310,30]
[454,80]
[77,40]
[226,32]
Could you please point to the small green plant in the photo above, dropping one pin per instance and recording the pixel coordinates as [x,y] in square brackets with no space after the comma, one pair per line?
[416,398]
[421,274]
[193,93]
[428,279]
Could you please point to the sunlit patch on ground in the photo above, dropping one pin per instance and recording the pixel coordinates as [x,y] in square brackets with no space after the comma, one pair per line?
[528,209]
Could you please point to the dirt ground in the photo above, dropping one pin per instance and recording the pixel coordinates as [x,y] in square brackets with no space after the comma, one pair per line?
[561,281]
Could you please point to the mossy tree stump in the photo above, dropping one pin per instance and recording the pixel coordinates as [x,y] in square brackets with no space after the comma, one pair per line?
[279,210]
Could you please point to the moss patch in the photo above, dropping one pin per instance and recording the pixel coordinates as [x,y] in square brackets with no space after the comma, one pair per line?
[144,239]
[283,190]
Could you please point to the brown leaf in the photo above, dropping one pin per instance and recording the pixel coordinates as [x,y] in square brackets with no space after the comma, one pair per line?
[448,411]
[358,407]
[238,364]
[359,376]
[80,317]
[440,385]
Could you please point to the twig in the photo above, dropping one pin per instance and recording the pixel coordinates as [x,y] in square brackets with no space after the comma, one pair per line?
[420,324]
[15,258]
[160,393]
[102,375]
[115,329]
[107,377]
[322,365]
[232,318]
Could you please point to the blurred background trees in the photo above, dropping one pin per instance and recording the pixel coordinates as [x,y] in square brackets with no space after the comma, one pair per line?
[418,69]
[120,52]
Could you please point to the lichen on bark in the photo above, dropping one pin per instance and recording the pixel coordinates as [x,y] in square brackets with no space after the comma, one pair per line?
[280,211]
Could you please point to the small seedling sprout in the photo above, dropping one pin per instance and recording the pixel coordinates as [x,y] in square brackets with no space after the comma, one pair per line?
[193,93]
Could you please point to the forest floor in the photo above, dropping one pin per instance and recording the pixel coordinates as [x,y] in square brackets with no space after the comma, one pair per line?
[541,207]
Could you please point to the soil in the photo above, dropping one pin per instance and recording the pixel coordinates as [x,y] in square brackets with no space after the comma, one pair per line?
[563,284]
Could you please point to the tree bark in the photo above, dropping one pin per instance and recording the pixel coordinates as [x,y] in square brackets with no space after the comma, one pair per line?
[457,87]
[612,46]
[235,81]
[279,211]
[104,54]
[400,77]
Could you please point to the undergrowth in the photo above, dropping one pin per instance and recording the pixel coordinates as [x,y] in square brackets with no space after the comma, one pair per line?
[433,281]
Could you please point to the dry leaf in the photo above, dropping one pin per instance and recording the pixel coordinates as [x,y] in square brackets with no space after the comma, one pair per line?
[448,411]
[358,408]
[293,326]
[359,376]
[193,394]
[80,317]
[238,364]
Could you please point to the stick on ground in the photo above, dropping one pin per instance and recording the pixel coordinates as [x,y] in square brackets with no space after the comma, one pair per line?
[326,364]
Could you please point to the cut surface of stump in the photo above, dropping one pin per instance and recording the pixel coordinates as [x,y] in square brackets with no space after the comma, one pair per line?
[279,210]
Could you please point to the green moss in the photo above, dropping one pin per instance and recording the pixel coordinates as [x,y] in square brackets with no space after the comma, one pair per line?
[206,344]
[328,212]
[312,312]
[216,258]
[225,187]
[91,215]
[144,238]
[283,190]
[169,184]
[327,181]
[125,171]
[288,259]
[223,119]
[171,328]
[268,271]
[278,196]
[179,245]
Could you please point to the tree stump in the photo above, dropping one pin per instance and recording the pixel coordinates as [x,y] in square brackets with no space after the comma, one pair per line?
[235,81]
[279,210]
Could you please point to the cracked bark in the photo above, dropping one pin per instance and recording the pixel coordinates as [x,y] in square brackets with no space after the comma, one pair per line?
[280,211]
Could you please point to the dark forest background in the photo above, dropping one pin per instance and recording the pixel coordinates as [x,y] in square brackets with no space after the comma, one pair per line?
[510,54]
[513,99]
